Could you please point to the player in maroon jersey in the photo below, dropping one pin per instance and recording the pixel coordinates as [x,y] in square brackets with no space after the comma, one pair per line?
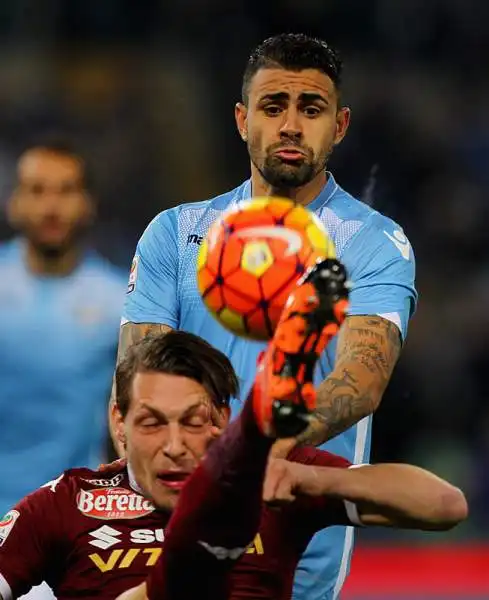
[95,534]
[221,507]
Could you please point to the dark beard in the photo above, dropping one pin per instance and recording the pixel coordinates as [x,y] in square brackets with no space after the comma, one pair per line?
[283,176]
[51,253]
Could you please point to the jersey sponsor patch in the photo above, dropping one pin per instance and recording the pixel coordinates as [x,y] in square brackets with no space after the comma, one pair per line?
[133,274]
[6,525]
[104,537]
[112,503]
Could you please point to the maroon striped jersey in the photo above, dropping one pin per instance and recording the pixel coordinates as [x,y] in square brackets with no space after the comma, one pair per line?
[90,534]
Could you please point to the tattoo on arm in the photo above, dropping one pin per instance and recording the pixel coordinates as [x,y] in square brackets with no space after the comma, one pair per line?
[367,352]
[133,332]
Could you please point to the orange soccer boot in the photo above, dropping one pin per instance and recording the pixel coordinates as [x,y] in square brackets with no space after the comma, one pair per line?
[284,394]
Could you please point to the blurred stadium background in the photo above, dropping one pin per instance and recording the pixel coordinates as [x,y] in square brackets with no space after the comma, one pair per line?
[146,89]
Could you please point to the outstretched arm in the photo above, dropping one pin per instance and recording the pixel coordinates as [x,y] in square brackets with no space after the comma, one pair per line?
[399,495]
[389,495]
[382,300]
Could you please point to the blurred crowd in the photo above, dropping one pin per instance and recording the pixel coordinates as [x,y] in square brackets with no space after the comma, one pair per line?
[146,90]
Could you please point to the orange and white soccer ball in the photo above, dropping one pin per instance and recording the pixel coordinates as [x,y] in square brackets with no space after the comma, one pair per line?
[251,260]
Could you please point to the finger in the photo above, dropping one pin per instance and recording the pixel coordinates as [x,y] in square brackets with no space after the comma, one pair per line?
[271,483]
[282,497]
[283,493]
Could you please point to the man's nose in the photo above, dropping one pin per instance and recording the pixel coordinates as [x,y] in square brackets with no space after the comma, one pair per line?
[291,126]
[174,446]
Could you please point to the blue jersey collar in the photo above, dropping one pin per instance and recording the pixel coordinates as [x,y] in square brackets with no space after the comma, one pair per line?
[328,191]
[325,194]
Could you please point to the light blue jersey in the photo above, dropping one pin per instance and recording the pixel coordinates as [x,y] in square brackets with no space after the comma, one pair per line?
[58,339]
[379,261]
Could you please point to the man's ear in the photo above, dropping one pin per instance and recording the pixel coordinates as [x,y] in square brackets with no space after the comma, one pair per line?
[226,415]
[13,210]
[118,429]
[241,116]
[220,420]
[342,123]
[90,209]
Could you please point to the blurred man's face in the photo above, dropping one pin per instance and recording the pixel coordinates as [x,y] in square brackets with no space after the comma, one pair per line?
[291,124]
[50,206]
[167,430]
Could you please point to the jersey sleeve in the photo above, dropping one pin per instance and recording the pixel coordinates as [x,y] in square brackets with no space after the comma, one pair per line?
[324,511]
[30,541]
[152,290]
[381,265]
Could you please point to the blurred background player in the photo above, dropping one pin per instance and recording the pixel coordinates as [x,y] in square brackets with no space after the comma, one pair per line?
[60,306]
[291,117]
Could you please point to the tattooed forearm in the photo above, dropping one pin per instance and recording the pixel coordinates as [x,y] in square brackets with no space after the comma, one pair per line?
[368,349]
[342,402]
[133,332]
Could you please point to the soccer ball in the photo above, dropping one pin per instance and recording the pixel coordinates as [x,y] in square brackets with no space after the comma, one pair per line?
[251,259]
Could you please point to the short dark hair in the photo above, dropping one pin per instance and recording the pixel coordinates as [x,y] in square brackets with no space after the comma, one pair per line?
[177,353]
[54,141]
[294,52]
[62,145]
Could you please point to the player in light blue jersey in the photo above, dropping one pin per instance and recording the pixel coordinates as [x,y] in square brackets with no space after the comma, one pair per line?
[59,316]
[291,118]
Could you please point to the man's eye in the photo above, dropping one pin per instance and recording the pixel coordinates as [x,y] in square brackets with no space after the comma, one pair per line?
[312,111]
[69,188]
[194,422]
[37,190]
[150,422]
[272,110]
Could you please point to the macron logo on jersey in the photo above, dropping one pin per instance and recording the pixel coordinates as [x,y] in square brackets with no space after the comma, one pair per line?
[401,242]
[193,238]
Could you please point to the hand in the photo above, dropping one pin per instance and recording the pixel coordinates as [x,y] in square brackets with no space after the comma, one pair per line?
[283,481]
